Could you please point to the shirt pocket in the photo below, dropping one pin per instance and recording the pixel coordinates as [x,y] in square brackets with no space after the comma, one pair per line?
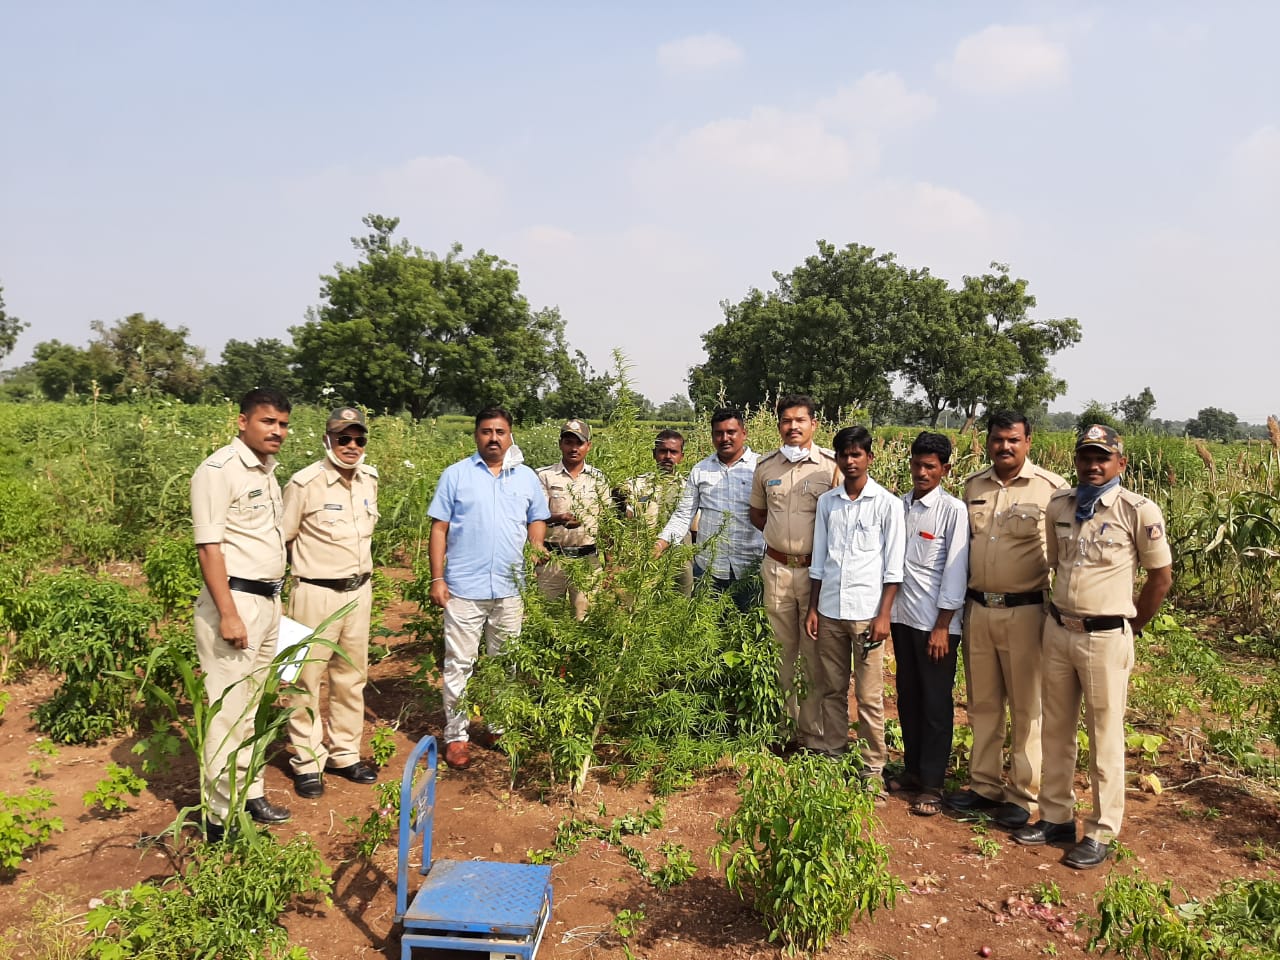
[979,517]
[866,536]
[333,525]
[253,513]
[1023,521]
[923,551]
[368,519]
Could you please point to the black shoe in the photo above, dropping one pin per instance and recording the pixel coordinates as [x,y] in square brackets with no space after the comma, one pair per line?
[358,772]
[308,785]
[1011,816]
[966,800]
[263,812]
[1042,832]
[1086,854]
[214,832]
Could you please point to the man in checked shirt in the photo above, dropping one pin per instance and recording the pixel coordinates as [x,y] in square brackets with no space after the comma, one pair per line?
[720,486]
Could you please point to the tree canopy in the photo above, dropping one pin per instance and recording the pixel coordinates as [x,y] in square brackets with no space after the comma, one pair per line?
[245,366]
[10,328]
[1214,424]
[404,329]
[848,325]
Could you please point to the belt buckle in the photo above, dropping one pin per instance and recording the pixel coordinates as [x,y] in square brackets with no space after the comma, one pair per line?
[794,561]
[352,583]
[277,586]
[993,600]
[1074,624]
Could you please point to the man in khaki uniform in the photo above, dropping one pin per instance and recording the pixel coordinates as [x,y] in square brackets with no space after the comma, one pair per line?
[236,513]
[1099,533]
[654,495]
[576,495]
[784,502]
[1003,626]
[330,509]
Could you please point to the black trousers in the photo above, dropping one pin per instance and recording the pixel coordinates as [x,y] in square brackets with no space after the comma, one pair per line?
[926,708]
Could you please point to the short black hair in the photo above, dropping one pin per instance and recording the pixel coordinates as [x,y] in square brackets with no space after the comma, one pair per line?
[728,413]
[668,434]
[936,443]
[493,413]
[796,400]
[859,437]
[1007,420]
[264,397]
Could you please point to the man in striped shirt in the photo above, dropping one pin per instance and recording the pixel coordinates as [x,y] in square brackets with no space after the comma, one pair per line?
[720,487]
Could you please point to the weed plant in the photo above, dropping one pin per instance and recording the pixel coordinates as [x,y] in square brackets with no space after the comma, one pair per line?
[111,794]
[24,826]
[801,848]
[1138,917]
[226,902]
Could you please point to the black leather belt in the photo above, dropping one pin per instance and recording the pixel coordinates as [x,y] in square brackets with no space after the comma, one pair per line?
[345,585]
[587,551]
[997,600]
[259,588]
[1085,624]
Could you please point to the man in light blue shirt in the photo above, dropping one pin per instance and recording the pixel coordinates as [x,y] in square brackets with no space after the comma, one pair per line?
[720,486]
[926,620]
[855,572]
[484,510]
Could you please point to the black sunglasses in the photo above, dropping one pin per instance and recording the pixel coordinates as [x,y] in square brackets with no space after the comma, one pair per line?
[343,439]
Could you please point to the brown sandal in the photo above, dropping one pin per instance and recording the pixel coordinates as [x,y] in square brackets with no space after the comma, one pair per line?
[927,804]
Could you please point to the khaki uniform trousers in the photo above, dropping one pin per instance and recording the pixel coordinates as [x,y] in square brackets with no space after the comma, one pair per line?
[236,676]
[311,605]
[554,583]
[786,601]
[1095,666]
[839,655]
[1002,655]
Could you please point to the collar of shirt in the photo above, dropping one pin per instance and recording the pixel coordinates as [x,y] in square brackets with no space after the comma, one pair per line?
[587,470]
[928,500]
[250,459]
[748,457]
[1026,472]
[870,489]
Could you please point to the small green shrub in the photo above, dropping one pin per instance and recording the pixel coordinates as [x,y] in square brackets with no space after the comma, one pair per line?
[801,849]
[111,793]
[24,826]
[173,574]
[227,900]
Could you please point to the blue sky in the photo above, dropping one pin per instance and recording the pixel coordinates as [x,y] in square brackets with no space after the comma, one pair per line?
[641,163]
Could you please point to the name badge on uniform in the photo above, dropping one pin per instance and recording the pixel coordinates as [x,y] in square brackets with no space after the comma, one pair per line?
[333,506]
[773,483]
[255,493]
[976,502]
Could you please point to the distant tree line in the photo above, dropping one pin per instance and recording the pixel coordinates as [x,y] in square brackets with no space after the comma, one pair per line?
[405,330]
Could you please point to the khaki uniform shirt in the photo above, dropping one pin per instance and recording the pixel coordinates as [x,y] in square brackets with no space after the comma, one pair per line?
[329,523]
[584,497]
[653,496]
[789,492]
[1007,529]
[1095,562]
[235,501]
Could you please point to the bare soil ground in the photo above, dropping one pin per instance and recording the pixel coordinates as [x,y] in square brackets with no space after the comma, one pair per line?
[958,899]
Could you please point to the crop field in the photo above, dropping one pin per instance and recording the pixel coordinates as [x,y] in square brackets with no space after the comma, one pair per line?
[635,755]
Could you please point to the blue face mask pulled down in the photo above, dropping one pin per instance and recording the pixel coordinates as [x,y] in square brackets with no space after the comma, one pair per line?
[1087,497]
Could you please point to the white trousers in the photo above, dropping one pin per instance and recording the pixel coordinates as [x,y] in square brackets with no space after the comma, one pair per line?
[464,623]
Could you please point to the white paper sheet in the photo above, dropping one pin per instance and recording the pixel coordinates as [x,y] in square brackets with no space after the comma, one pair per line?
[292,637]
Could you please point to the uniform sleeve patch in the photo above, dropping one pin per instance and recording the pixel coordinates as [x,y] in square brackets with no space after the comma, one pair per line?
[1155,531]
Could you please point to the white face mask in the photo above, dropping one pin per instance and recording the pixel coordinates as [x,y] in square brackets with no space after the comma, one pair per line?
[795,454]
[333,457]
[513,457]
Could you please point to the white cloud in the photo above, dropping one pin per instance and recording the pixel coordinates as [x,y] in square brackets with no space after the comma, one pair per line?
[1253,167]
[1007,59]
[705,51]
[878,100]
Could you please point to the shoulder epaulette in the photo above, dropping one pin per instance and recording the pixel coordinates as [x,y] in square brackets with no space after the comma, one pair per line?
[1064,492]
[370,469]
[978,473]
[307,473]
[767,456]
[220,457]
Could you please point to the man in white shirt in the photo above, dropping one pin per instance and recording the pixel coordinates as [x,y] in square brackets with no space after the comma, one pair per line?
[926,621]
[854,576]
[720,487]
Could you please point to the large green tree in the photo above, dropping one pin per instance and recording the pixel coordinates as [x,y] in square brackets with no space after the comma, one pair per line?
[832,328]
[1214,424]
[1136,411]
[404,329]
[245,366]
[63,370]
[152,359]
[10,328]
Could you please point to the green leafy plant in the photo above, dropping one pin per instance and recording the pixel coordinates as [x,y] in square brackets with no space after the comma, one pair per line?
[24,826]
[571,832]
[382,744]
[1146,744]
[626,924]
[227,900]
[51,929]
[158,750]
[43,753]
[111,793]
[801,848]
[1140,918]
[173,574]
[1047,892]
[381,823]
